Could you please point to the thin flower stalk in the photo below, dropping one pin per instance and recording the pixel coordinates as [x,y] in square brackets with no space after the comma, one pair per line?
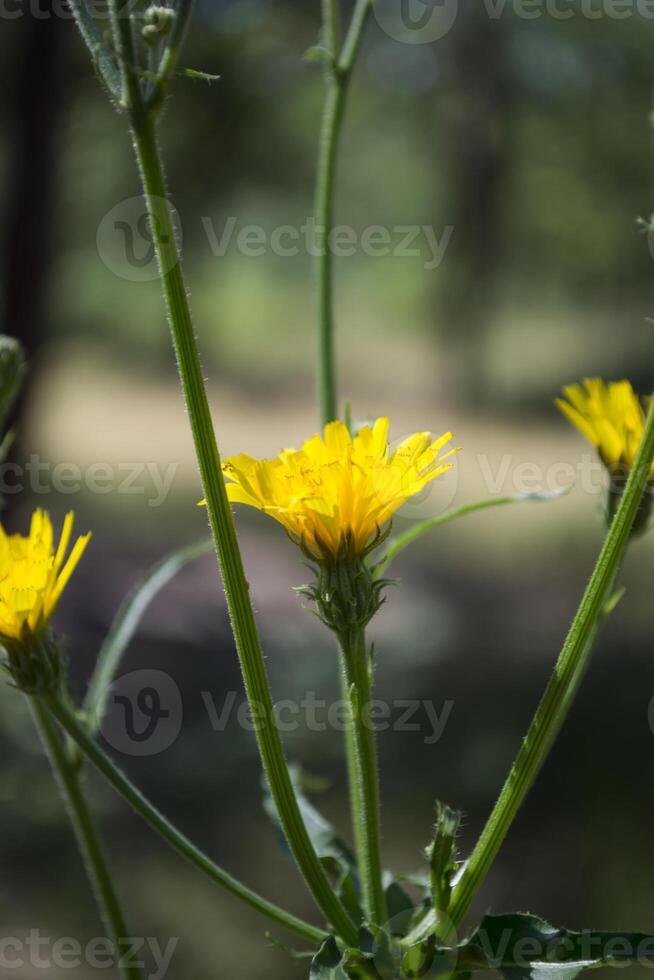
[178,841]
[364,773]
[68,778]
[338,71]
[220,516]
[560,692]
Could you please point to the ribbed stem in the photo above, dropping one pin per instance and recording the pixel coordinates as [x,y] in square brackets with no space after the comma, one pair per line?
[560,692]
[80,736]
[220,515]
[363,773]
[224,535]
[68,778]
[338,71]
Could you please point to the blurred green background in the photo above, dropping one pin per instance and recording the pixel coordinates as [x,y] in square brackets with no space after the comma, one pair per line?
[529,139]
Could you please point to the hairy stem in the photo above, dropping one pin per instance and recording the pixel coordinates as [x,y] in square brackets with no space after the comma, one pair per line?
[68,778]
[363,773]
[81,737]
[559,695]
[338,71]
[220,516]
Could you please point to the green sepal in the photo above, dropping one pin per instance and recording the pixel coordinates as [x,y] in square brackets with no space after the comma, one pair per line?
[346,592]
[35,663]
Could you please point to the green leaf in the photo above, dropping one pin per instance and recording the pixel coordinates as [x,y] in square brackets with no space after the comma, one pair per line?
[525,947]
[335,855]
[94,37]
[400,905]
[402,541]
[295,954]
[357,966]
[345,882]
[441,854]
[614,600]
[326,964]
[126,623]
[323,836]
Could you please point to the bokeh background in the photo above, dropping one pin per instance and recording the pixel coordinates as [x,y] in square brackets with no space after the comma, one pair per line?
[529,138]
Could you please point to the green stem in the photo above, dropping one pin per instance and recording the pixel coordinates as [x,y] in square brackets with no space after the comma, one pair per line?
[560,692]
[220,515]
[363,772]
[337,75]
[68,778]
[78,733]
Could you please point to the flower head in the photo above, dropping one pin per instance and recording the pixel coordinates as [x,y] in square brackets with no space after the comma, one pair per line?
[33,575]
[336,493]
[610,415]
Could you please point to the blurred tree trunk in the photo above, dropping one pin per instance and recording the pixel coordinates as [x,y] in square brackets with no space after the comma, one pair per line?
[474,139]
[34,87]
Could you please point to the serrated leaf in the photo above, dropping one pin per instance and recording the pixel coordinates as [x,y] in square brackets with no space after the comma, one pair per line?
[525,947]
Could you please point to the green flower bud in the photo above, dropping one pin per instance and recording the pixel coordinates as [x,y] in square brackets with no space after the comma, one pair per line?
[12,370]
[347,594]
[35,662]
[158,23]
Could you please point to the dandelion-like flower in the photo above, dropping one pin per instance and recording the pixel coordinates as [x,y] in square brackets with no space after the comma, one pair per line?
[335,494]
[610,415]
[335,497]
[33,575]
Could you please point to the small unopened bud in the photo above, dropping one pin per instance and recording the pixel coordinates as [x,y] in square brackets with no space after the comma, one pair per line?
[158,23]
[12,369]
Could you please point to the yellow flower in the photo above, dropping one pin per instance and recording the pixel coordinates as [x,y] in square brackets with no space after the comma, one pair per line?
[610,415]
[336,493]
[33,575]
